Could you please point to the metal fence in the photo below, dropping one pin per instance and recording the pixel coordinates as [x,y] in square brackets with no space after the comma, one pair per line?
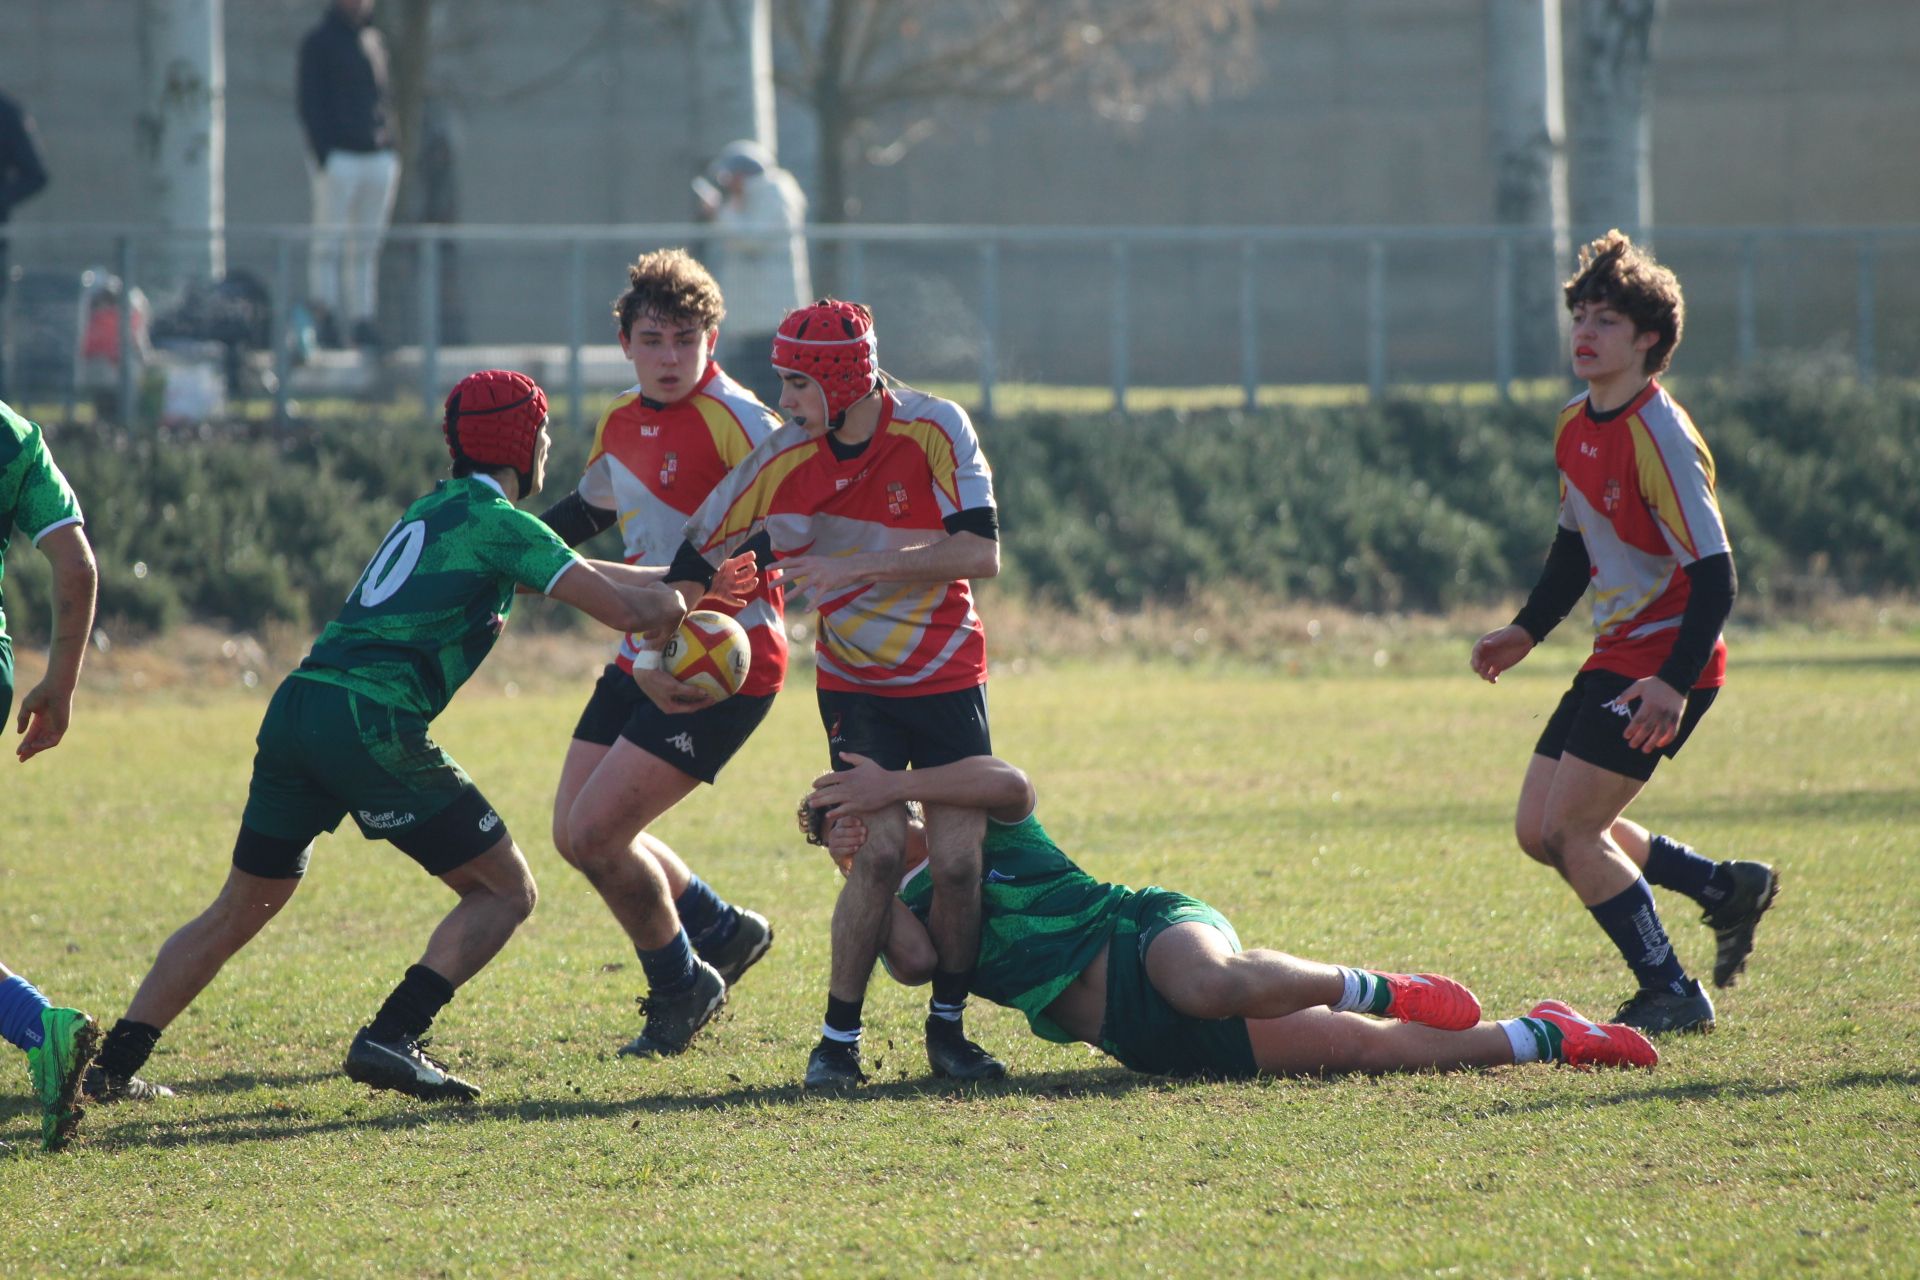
[1241,308]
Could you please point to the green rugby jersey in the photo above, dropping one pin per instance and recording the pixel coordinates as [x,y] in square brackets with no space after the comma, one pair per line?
[434,597]
[33,493]
[1042,919]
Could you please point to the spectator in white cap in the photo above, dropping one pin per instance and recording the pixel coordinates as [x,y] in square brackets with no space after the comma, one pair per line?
[759,256]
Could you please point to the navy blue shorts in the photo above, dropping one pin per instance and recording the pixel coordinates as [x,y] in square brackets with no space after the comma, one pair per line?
[698,743]
[1591,724]
[898,733]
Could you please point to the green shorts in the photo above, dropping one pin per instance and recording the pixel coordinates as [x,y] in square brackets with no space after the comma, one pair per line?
[1142,1030]
[324,752]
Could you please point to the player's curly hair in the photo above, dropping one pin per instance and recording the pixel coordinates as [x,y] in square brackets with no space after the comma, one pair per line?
[1615,272]
[671,284]
[813,823]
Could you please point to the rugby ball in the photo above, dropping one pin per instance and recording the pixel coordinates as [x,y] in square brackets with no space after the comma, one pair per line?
[709,651]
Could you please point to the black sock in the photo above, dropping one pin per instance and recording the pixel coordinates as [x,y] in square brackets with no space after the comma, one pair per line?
[1630,920]
[412,1007]
[1673,865]
[949,999]
[126,1048]
[843,1019]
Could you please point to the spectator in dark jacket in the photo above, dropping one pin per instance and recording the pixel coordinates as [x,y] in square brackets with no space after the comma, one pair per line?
[356,168]
[22,174]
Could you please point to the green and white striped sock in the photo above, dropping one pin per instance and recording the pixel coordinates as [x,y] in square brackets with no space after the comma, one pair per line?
[1364,992]
[1533,1039]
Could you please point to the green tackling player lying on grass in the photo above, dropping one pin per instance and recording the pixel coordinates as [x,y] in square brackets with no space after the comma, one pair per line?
[1158,979]
[347,732]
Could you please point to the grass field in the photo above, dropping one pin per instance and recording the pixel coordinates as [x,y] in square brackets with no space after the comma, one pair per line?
[1357,814]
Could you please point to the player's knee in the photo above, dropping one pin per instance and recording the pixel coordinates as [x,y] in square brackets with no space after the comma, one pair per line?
[594,848]
[877,862]
[954,875]
[1225,988]
[1373,1051]
[240,912]
[562,837]
[1562,843]
[518,894]
[1215,989]
[1532,841]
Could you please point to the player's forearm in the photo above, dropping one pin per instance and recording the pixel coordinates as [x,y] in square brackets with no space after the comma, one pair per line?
[1713,585]
[75,583]
[950,559]
[1563,580]
[977,782]
[631,575]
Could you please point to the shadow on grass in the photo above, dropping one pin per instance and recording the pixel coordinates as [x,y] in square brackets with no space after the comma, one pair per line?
[1863,662]
[1727,1091]
[1880,804]
[397,1114]
[280,1123]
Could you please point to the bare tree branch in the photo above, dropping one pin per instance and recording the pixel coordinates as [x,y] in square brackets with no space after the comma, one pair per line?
[855,59]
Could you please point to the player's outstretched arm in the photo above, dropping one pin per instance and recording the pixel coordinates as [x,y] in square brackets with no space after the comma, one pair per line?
[47,708]
[733,582]
[978,782]
[624,606]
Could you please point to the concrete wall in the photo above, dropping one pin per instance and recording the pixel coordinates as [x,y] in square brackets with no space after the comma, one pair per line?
[1767,111]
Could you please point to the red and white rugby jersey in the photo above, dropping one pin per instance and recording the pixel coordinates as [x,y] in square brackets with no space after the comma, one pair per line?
[1638,488]
[656,465]
[922,465]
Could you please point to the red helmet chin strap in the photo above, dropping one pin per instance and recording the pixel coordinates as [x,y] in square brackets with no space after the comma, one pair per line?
[831,342]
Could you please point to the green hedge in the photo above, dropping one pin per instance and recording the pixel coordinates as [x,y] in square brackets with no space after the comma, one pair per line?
[1410,505]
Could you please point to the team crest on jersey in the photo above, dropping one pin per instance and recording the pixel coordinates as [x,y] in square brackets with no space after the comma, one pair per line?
[1610,496]
[669,470]
[897,503]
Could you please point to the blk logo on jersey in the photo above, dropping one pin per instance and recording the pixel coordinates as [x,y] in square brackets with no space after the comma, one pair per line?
[1588,450]
[1610,497]
[669,470]
[649,430]
[897,502]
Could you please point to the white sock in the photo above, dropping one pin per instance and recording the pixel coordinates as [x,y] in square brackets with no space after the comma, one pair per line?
[1357,995]
[844,1037]
[1528,1044]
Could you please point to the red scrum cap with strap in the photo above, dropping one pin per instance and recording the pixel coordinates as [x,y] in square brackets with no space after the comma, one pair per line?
[493,420]
[832,343]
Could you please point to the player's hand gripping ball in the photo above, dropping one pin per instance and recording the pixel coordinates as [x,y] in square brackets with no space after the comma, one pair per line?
[710,651]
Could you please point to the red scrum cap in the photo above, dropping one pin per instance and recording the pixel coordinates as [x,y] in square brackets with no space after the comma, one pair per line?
[832,343]
[494,419]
